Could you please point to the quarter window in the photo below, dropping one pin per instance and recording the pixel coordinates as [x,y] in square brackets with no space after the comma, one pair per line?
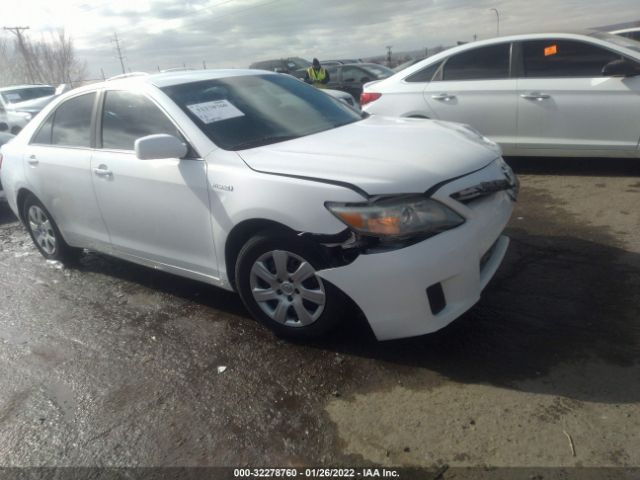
[485,63]
[424,75]
[128,116]
[72,122]
[564,58]
[43,136]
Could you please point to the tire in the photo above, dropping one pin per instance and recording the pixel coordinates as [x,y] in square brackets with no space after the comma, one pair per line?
[45,234]
[299,308]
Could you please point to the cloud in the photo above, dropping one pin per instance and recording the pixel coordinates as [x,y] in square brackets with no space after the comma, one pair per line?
[234,33]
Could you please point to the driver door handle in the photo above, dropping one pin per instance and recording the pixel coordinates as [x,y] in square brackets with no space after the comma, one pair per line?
[443,96]
[32,160]
[102,171]
[535,96]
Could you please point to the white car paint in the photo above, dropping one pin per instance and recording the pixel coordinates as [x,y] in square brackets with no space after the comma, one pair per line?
[594,116]
[177,214]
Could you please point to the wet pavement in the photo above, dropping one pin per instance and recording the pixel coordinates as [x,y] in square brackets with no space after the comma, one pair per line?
[108,363]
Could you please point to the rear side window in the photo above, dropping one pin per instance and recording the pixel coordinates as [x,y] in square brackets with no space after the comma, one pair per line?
[485,63]
[72,122]
[424,75]
[128,116]
[564,58]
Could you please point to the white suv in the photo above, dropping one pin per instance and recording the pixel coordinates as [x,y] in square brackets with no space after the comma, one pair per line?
[259,183]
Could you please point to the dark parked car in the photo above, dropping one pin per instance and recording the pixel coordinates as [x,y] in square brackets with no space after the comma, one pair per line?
[330,63]
[291,65]
[351,77]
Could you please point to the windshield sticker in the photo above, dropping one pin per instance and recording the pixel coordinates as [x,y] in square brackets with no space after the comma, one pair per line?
[215,111]
[550,50]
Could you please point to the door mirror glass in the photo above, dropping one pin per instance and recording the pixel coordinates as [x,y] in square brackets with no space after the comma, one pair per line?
[621,68]
[3,127]
[159,146]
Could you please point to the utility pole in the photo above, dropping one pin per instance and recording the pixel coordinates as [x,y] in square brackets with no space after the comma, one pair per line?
[388,55]
[23,49]
[204,65]
[120,57]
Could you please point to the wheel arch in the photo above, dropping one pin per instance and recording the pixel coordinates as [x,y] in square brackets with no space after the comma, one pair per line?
[23,193]
[239,235]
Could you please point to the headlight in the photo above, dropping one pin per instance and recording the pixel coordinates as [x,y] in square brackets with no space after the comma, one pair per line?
[397,217]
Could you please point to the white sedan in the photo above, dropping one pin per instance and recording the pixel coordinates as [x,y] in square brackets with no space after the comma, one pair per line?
[541,94]
[259,183]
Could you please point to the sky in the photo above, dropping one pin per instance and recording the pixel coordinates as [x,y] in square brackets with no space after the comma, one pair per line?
[234,33]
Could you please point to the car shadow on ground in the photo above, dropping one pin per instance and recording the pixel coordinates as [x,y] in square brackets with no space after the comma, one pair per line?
[6,215]
[556,302]
[561,302]
[598,167]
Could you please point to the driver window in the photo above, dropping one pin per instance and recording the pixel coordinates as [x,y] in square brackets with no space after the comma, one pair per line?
[352,74]
[128,116]
[564,58]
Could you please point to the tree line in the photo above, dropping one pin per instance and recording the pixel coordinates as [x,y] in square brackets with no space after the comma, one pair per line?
[51,59]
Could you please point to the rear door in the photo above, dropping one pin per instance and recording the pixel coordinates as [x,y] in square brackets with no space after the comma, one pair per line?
[565,103]
[156,210]
[475,87]
[58,169]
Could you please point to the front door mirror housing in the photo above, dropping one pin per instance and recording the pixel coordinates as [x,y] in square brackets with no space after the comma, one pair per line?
[621,68]
[153,147]
[3,127]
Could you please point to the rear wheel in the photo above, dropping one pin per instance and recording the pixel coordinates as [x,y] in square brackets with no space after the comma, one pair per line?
[276,276]
[45,233]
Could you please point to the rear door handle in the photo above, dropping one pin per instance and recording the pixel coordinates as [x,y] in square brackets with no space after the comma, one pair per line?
[32,160]
[443,96]
[102,171]
[535,96]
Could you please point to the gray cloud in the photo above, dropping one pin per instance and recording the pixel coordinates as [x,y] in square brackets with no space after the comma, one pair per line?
[236,32]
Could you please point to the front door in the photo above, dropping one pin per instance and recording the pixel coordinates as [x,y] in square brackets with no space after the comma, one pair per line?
[565,103]
[155,210]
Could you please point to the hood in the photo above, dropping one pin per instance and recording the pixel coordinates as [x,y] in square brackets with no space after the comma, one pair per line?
[31,106]
[380,155]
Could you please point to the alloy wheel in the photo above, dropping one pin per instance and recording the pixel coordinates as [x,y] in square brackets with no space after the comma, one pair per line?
[286,287]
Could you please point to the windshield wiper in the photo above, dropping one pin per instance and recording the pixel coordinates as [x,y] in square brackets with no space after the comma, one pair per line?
[258,142]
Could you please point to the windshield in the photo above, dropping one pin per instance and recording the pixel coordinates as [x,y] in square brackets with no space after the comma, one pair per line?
[617,40]
[24,94]
[250,111]
[379,71]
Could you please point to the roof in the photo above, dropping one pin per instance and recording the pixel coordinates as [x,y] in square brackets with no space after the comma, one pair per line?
[17,87]
[166,79]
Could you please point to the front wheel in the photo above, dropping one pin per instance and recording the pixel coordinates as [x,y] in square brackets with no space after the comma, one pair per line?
[45,233]
[276,276]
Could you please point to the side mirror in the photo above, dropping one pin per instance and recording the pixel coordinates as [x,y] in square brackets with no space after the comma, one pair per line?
[159,146]
[621,68]
[3,127]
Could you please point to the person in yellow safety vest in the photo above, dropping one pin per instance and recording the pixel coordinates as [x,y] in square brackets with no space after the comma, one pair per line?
[317,75]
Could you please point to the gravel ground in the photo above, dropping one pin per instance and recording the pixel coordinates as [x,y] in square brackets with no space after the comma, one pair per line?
[108,363]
